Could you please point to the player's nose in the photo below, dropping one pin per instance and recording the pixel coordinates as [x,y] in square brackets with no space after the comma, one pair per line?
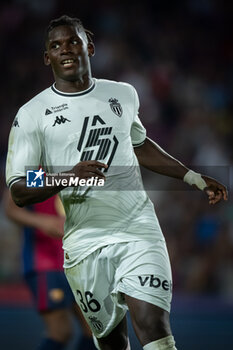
[65,48]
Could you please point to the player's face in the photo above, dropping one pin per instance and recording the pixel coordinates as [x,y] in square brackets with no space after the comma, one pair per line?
[68,53]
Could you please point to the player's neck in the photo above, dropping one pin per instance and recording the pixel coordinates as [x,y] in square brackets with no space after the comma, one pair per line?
[74,86]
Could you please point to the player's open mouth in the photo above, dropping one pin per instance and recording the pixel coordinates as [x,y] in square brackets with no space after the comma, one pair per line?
[67,63]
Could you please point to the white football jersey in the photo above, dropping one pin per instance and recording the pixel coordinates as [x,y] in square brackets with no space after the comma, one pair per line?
[57,130]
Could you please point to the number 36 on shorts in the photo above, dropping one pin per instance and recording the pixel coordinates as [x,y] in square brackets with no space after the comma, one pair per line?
[87,302]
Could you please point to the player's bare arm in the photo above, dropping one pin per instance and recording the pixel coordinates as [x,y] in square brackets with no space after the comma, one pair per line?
[151,156]
[23,195]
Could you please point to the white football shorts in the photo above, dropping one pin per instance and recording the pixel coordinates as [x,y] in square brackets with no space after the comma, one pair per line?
[140,269]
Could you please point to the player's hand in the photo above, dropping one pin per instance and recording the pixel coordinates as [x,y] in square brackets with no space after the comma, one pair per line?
[88,169]
[215,190]
[51,225]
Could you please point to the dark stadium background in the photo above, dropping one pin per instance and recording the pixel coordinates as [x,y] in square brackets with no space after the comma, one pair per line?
[179,56]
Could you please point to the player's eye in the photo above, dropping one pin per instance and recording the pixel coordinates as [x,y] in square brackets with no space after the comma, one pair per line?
[55,46]
[75,41]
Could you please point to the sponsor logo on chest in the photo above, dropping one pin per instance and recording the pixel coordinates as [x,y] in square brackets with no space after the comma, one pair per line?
[56,109]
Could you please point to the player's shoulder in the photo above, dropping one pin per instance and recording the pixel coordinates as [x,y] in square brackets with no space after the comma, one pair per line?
[106,84]
[37,102]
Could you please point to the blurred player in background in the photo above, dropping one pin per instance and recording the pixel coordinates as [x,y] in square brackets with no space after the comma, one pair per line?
[115,252]
[43,272]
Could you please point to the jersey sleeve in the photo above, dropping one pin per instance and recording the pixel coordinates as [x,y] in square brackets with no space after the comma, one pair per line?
[24,147]
[138,132]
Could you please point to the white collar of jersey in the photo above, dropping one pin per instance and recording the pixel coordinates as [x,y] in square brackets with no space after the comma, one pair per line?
[70,94]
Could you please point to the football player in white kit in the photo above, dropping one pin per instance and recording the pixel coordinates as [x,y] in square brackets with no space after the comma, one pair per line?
[115,253]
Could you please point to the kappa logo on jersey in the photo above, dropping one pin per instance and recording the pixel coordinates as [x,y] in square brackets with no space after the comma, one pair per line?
[15,123]
[60,120]
[115,106]
[155,282]
[47,112]
[99,141]
[35,178]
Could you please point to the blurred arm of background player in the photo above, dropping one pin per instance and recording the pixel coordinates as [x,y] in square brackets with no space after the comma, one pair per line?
[151,156]
[57,322]
[50,225]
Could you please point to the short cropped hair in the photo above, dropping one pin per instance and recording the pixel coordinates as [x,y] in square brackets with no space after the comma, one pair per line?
[69,21]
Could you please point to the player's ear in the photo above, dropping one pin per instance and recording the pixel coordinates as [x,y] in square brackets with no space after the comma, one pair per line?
[46,59]
[91,49]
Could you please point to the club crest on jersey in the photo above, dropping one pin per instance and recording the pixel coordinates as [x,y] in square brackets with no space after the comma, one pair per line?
[115,106]
[97,324]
